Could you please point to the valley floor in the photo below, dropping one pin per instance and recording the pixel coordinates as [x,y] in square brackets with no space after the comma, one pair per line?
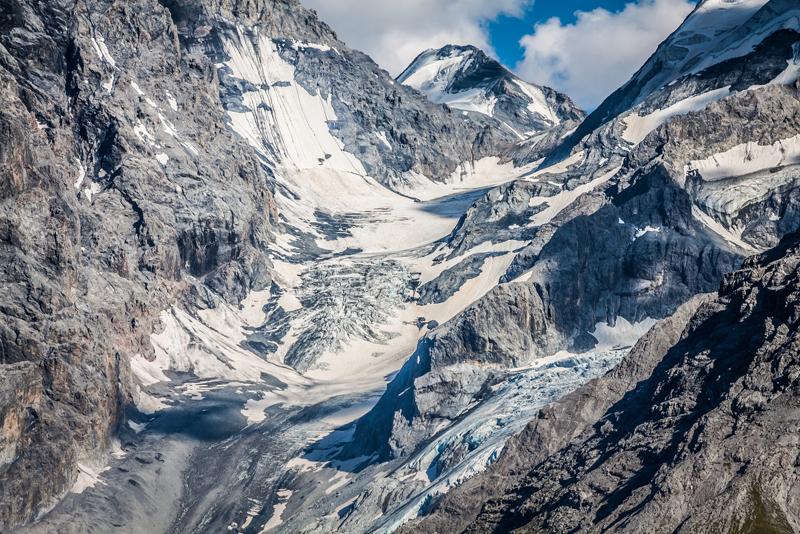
[229,436]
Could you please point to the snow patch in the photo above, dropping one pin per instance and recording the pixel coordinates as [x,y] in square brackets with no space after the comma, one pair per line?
[383,139]
[637,127]
[254,409]
[622,335]
[647,230]
[109,85]
[746,159]
[717,228]
[81,174]
[143,135]
[282,116]
[276,519]
[137,427]
[557,203]
[792,72]
[300,45]
[100,47]
[88,477]
[173,103]
[93,189]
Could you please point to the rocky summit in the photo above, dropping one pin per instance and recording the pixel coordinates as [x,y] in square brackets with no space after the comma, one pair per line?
[250,282]
[465,78]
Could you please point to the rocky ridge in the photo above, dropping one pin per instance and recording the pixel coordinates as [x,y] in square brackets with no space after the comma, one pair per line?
[714,404]
[599,237]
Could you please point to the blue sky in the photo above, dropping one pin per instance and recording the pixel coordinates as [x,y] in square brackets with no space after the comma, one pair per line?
[585,48]
[506,31]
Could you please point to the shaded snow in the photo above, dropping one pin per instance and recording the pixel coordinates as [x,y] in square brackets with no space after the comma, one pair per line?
[484,430]
[647,230]
[100,47]
[276,519]
[792,72]
[81,174]
[88,477]
[557,203]
[383,139]
[717,228]
[282,115]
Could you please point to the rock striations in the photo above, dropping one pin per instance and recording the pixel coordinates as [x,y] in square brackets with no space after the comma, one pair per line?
[128,186]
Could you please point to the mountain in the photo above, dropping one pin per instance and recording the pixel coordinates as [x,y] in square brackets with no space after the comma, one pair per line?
[722,47]
[686,144]
[691,431]
[465,78]
[654,206]
[251,283]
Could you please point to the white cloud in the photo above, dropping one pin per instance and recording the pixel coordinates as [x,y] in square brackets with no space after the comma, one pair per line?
[394,32]
[599,52]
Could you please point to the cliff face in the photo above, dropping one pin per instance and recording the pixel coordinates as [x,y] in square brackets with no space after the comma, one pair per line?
[162,158]
[128,186]
[655,205]
[121,188]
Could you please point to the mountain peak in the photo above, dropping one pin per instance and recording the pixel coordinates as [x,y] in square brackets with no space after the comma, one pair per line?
[464,77]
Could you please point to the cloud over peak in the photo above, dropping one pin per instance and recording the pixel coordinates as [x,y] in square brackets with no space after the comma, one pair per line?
[395,32]
[601,50]
[587,58]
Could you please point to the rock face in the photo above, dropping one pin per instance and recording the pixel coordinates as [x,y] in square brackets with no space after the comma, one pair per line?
[722,45]
[634,252]
[465,78]
[121,187]
[162,162]
[390,132]
[556,425]
[698,437]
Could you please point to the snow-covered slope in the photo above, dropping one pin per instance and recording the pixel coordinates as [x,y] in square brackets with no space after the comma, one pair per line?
[465,78]
[722,47]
